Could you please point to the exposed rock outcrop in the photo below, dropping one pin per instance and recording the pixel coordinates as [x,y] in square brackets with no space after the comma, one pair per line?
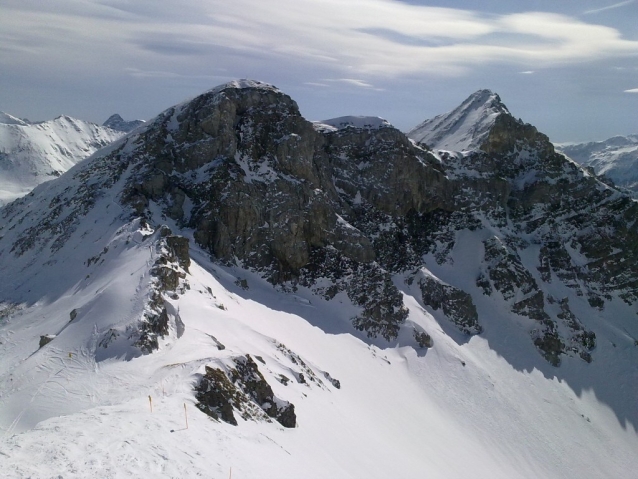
[242,389]
[456,304]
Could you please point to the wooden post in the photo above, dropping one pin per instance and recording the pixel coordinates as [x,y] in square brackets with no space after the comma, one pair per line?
[150,402]
[230,476]
[186,415]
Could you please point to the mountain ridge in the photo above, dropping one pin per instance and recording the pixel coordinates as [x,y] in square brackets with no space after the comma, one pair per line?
[31,153]
[615,158]
[446,273]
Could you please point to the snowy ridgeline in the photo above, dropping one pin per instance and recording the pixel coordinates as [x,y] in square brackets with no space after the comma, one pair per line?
[127,352]
[616,158]
[32,153]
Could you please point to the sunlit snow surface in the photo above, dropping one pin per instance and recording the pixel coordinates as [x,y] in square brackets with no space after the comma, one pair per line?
[457,410]
[465,127]
[32,153]
[616,158]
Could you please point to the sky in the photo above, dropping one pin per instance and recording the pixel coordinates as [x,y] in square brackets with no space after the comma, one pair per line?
[570,68]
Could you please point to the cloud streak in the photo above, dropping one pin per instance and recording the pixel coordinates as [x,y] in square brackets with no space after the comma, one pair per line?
[370,38]
[609,7]
[633,90]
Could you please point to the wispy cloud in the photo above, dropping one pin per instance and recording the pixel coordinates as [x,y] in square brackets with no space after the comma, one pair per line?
[633,90]
[351,81]
[609,7]
[354,39]
[527,72]
[311,83]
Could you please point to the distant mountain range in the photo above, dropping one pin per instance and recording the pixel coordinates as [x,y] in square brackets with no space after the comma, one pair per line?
[32,153]
[616,158]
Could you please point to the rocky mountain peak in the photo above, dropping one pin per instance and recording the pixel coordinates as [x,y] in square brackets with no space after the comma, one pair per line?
[357,122]
[117,123]
[465,127]
[222,253]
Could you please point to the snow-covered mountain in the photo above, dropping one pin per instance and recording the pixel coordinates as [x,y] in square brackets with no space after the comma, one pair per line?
[465,127]
[31,153]
[116,122]
[616,158]
[232,287]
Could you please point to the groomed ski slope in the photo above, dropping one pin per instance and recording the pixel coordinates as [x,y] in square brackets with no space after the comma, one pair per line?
[456,410]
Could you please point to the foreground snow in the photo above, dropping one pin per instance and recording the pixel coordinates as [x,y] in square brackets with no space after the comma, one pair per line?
[457,410]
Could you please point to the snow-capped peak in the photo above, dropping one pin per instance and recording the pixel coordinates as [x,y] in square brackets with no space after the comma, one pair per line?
[615,158]
[7,119]
[244,84]
[360,122]
[31,153]
[465,127]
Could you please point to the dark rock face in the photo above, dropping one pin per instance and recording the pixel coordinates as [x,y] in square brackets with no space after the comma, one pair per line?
[244,389]
[169,277]
[116,122]
[252,382]
[456,304]
[264,187]
[46,339]
[356,205]
[423,339]
[216,396]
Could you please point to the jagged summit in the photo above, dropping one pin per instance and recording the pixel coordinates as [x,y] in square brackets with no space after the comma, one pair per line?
[358,122]
[117,123]
[465,127]
[242,84]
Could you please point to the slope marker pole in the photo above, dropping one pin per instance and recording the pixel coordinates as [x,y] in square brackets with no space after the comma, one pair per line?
[150,402]
[186,415]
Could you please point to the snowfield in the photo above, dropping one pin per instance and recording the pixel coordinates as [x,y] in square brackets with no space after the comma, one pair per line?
[31,153]
[456,410]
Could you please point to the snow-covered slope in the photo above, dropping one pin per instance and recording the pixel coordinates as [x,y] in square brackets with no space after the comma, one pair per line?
[129,351]
[457,410]
[616,158]
[465,127]
[116,122]
[31,153]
